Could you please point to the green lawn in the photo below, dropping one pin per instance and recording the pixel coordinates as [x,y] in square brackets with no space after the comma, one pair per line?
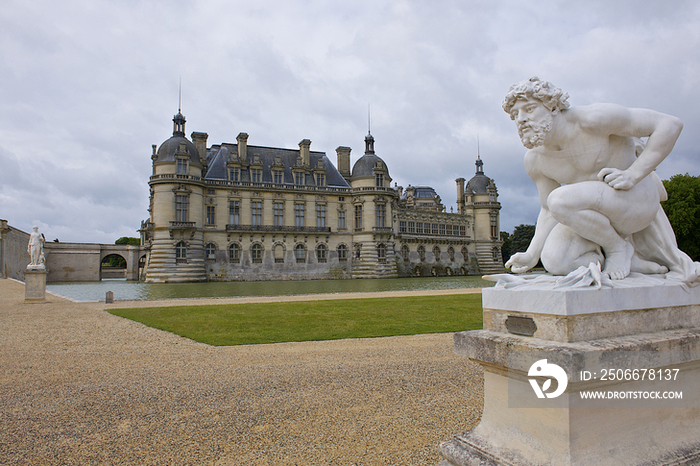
[245,324]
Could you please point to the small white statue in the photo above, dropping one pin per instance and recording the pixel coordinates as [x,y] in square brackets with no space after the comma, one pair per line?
[35,248]
[599,194]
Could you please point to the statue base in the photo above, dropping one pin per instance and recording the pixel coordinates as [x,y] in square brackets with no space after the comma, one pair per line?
[631,367]
[35,285]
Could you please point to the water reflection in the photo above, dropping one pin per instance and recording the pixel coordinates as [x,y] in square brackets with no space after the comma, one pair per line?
[95,291]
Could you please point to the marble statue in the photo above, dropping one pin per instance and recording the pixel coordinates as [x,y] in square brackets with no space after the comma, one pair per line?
[599,194]
[35,248]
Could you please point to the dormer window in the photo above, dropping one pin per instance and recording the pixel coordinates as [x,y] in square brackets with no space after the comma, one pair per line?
[256,175]
[320,179]
[379,180]
[234,174]
[181,168]
[278,176]
[299,178]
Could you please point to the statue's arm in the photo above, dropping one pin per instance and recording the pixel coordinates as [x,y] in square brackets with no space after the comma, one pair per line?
[663,131]
[523,261]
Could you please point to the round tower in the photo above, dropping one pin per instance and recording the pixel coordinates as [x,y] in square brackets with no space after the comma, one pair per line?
[176,223]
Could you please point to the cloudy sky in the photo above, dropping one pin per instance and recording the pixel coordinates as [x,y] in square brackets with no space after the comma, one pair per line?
[86,87]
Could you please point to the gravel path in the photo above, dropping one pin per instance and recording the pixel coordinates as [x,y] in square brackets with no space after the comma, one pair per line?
[79,386]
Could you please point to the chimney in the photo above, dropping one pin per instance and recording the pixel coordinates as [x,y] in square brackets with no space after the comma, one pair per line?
[200,142]
[242,139]
[344,161]
[304,151]
[460,195]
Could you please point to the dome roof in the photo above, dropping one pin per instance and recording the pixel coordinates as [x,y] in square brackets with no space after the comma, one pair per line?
[479,184]
[366,164]
[177,144]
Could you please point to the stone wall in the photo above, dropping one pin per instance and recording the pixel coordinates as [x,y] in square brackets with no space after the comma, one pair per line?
[13,252]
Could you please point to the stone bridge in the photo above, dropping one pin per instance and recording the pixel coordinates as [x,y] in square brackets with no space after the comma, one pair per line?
[82,262]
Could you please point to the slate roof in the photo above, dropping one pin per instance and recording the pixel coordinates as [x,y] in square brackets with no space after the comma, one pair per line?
[166,151]
[218,156]
[421,192]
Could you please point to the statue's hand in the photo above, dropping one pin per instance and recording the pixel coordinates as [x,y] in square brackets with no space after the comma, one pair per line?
[618,179]
[521,262]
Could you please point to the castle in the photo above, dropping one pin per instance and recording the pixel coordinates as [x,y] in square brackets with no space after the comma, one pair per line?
[242,212]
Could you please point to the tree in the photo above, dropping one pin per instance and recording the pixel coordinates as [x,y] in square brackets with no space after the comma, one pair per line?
[683,211]
[522,235]
[506,248]
[128,240]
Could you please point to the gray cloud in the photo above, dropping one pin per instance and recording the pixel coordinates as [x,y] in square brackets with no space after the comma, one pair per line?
[87,88]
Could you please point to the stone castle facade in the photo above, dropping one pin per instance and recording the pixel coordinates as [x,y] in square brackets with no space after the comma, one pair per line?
[235,211]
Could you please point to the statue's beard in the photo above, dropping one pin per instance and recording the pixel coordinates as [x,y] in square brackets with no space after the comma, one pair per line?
[540,130]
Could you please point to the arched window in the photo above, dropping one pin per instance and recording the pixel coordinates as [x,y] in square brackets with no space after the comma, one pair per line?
[451,253]
[210,251]
[465,254]
[381,253]
[436,253]
[279,253]
[421,253]
[321,253]
[181,251]
[342,253]
[256,253]
[234,253]
[405,252]
[300,253]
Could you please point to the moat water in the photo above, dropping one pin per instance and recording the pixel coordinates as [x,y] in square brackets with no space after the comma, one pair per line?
[125,290]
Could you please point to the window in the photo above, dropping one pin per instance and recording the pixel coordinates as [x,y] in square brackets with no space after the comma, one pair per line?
[451,253]
[234,174]
[278,176]
[321,253]
[320,179]
[436,253]
[181,208]
[341,199]
[421,253]
[342,225]
[256,175]
[181,166]
[405,252]
[300,253]
[181,251]
[402,226]
[299,178]
[442,229]
[256,213]
[256,253]
[234,208]
[381,253]
[494,225]
[210,251]
[211,215]
[380,214]
[462,230]
[449,230]
[379,180]
[321,215]
[358,217]
[234,253]
[211,192]
[278,213]
[411,227]
[342,253]
[299,215]
[419,228]
[465,254]
[279,254]
[435,229]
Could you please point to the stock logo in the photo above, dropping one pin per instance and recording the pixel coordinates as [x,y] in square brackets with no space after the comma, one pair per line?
[543,369]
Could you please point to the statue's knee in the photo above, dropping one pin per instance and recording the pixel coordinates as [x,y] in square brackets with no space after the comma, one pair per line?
[555,263]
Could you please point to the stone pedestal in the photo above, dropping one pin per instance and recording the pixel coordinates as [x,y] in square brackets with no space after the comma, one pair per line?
[35,285]
[639,346]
